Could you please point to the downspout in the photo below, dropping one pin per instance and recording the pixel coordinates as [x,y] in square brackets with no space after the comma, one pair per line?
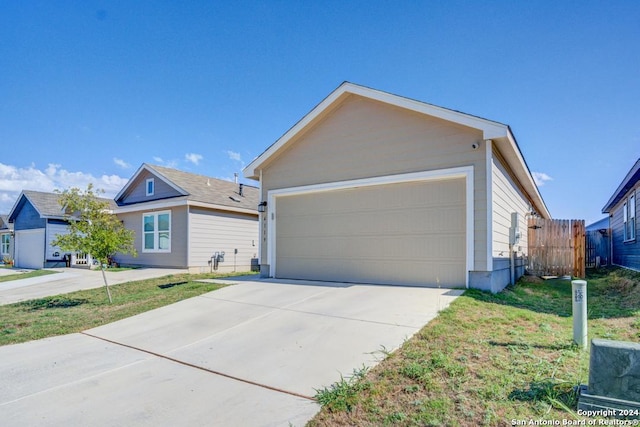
[610,241]
[512,265]
[261,230]
[514,237]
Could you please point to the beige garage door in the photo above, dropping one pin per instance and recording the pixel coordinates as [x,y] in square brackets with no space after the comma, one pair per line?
[407,233]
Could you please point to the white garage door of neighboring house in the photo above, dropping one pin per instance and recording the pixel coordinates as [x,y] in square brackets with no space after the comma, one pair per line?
[29,248]
[411,233]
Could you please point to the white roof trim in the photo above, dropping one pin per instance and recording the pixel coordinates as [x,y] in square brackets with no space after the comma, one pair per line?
[15,205]
[489,128]
[164,204]
[529,184]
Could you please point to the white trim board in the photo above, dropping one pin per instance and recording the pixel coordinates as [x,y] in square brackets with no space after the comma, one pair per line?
[166,204]
[465,172]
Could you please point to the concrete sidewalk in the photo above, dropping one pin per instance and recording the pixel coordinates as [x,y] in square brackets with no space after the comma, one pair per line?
[252,354]
[11,271]
[70,280]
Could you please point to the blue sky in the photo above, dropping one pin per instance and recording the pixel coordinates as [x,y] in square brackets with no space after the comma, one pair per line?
[89,90]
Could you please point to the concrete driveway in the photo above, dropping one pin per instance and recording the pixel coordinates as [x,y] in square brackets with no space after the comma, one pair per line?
[251,354]
[69,280]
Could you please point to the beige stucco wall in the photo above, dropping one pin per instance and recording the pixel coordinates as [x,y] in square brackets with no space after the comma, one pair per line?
[363,138]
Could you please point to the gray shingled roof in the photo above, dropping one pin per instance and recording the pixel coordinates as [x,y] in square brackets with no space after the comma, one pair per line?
[48,204]
[206,189]
[4,223]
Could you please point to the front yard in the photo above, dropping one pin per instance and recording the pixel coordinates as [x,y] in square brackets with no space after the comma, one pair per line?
[490,359]
[486,360]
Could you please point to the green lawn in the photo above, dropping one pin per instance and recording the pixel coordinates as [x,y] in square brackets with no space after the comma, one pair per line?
[489,359]
[77,311]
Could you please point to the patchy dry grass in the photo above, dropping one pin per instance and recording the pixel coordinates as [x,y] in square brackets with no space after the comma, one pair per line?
[77,311]
[490,359]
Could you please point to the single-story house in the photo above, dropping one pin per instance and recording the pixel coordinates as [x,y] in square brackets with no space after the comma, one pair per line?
[6,238]
[371,187]
[185,220]
[622,208]
[37,219]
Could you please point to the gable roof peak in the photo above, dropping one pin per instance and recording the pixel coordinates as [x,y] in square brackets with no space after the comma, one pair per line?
[490,129]
[197,188]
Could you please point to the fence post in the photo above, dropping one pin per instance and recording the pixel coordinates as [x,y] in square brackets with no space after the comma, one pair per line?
[579,305]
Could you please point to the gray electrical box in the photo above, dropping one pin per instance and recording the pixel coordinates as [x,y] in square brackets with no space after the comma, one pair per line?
[514,231]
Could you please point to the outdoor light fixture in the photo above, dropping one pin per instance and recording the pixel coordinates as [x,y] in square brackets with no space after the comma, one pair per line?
[262,207]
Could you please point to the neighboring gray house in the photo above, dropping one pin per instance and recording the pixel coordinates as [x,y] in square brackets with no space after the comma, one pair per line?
[37,219]
[371,187]
[598,244]
[601,224]
[622,208]
[6,238]
[185,220]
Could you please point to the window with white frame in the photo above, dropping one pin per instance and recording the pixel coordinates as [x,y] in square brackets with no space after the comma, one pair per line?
[150,187]
[156,232]
[629,218]
[5,240]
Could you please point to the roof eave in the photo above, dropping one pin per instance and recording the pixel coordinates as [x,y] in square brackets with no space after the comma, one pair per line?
[527,180]
[10,217]
[629,181]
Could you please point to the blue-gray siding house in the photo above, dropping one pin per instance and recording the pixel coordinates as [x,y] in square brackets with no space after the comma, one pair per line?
[38,219]
[601,224]
[622,208]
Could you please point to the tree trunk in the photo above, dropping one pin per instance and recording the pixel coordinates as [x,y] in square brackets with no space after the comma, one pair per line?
[106,285]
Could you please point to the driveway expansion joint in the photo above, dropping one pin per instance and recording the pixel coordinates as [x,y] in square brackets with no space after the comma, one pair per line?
[201,368]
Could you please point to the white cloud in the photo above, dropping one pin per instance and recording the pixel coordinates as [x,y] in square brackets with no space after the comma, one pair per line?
[15,179]
[168,163]
[193,158]
[121,163]
[541,178]
[234,156]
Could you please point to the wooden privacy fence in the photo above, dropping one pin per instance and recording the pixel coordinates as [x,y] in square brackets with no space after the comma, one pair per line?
[556,247]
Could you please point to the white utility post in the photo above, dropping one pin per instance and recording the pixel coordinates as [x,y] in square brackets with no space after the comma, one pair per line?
[579,297]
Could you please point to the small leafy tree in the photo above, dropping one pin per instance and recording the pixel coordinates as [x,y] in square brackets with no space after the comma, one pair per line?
[93,229]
